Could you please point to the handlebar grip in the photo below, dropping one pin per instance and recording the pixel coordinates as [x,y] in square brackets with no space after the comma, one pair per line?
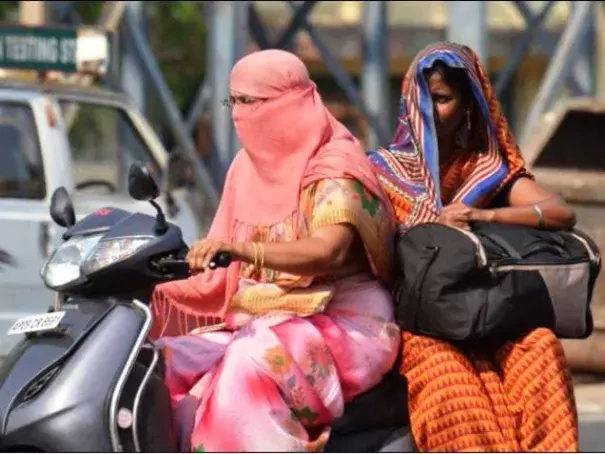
[173,267]
[173,262]
[220,260]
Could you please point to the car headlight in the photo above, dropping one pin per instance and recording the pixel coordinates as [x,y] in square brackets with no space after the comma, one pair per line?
[64,264]
[111,251]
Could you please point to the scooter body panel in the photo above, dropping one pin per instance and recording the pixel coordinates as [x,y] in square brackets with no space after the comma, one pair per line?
[70,411]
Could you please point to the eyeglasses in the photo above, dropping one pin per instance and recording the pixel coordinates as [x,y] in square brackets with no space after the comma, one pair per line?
[246,100]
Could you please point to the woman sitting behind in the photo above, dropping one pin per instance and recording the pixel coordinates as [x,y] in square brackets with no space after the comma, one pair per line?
[454,160]
[306,323]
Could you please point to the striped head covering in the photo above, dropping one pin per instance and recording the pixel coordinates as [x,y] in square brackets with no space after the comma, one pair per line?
[409,169]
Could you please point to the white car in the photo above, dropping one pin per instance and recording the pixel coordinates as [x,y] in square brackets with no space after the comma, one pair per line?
[56,134]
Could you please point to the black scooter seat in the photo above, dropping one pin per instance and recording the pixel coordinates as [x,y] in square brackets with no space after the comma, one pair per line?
[384,406]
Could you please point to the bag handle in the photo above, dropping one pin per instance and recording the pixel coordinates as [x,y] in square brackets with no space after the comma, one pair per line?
[554,248]
[504,245]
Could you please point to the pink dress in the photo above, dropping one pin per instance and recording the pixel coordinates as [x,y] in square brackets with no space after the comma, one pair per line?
[291,350]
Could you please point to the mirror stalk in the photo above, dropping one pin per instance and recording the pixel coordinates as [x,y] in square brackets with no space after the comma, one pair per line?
[161,226]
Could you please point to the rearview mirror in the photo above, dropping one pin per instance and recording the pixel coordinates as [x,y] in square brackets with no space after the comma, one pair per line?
[61,208]
[141,184]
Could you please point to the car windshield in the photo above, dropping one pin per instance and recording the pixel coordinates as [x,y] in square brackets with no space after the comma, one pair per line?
[21,169]
[104,142]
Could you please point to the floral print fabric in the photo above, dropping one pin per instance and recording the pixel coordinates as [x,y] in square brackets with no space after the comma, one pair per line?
[277,381]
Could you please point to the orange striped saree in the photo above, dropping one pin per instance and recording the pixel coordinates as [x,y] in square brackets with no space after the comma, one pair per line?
[519,396]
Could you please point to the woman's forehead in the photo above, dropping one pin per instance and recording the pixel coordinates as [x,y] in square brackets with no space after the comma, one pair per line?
[437,82]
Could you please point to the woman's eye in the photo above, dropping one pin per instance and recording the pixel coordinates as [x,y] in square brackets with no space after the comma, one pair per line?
[439,99]
[245,100]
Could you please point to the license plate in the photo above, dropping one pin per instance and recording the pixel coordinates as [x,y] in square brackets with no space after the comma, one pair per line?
[36,323]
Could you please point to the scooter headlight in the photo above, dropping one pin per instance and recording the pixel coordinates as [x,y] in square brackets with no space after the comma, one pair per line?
[111,251]
[64,265]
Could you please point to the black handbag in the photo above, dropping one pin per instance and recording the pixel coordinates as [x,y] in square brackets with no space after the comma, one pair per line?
[495,282]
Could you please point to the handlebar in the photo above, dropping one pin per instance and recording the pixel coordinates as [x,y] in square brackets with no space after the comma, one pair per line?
[220,260]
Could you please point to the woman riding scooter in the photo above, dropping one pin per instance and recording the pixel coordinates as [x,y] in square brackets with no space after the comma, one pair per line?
[306,323]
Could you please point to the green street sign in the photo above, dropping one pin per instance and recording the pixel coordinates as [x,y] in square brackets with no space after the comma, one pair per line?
[54,49]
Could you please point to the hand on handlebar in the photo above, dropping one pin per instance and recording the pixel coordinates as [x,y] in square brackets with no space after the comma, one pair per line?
[208,253]
[180,267]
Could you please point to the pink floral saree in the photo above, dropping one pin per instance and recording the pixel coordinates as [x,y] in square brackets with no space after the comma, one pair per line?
[291,351]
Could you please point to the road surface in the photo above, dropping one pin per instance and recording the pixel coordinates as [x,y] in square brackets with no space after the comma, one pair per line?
[590,398]
[592,432]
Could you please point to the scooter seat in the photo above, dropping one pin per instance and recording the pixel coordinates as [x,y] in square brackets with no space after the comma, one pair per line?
[384,406]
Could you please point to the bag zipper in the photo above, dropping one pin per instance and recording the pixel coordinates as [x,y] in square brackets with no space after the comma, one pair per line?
[595,258]
[481,255]
[514,262]
[494,269]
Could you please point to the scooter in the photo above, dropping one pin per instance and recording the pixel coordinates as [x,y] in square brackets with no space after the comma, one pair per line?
[86,378]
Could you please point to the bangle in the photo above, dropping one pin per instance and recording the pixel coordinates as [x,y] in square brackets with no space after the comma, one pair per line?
[541,223]
[262,255]
[255,247]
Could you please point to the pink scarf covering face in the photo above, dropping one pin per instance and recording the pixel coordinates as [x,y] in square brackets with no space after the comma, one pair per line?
[290,140]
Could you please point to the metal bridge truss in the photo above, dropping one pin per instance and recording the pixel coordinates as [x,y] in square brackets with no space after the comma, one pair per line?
[572,62]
